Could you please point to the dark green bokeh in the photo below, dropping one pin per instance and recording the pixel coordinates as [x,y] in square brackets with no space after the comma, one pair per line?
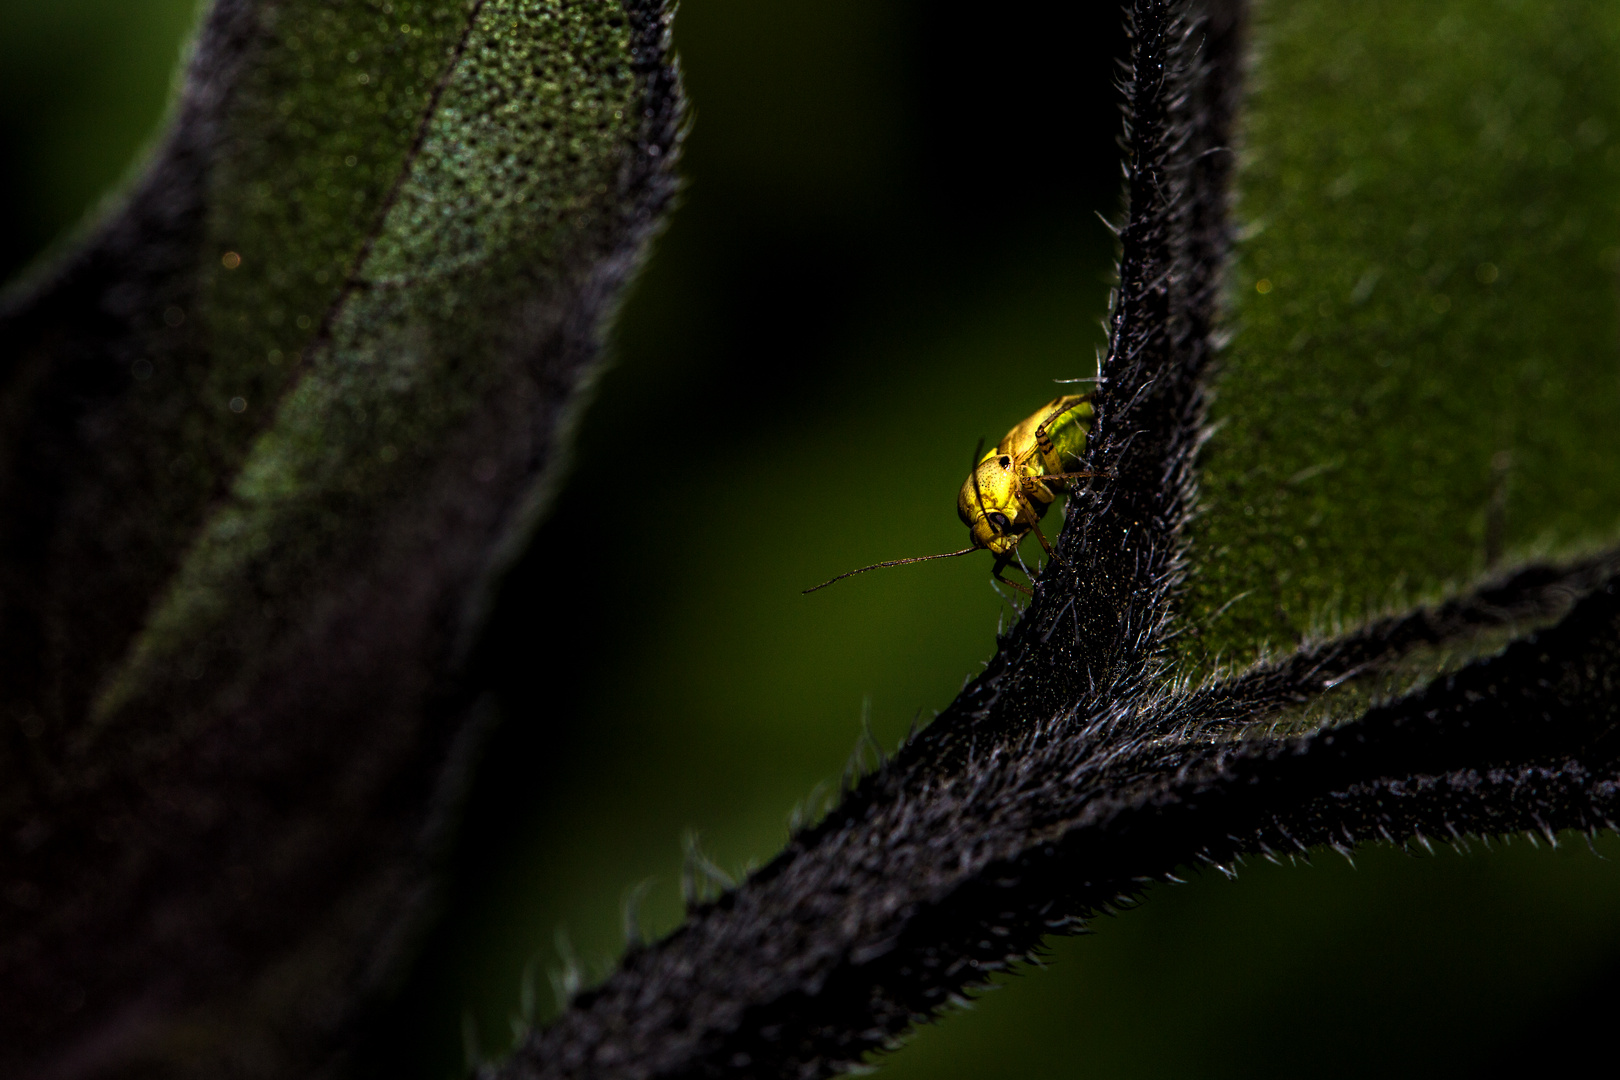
[889,249]
[82,87]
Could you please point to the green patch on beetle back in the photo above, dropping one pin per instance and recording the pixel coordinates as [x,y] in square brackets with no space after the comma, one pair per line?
[1425,379]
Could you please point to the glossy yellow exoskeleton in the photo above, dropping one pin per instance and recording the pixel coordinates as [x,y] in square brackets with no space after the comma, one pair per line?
[1010,488]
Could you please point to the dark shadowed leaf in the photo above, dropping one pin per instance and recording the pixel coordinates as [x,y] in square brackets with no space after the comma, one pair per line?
[271,429]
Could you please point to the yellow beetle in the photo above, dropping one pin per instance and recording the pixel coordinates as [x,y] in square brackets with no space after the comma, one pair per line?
[1011,487]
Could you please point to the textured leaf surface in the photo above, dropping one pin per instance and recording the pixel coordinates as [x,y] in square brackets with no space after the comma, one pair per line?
[475,235]
[1424,377]
[277,423]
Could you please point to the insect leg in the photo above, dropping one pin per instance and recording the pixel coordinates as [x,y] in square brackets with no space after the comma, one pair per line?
[995,572]
[1035,523]
[1053,555]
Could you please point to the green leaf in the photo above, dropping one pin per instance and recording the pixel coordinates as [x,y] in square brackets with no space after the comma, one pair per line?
[1423,380]
[416,315]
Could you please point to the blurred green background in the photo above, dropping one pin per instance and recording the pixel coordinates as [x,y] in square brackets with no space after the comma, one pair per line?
[889,247]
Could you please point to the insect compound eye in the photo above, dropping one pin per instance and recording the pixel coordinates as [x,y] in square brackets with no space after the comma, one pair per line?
[999,520]
[1005,462]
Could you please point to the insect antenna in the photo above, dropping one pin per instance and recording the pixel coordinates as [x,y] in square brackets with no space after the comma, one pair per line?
[977,450]
[894,562]
[1070,475]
